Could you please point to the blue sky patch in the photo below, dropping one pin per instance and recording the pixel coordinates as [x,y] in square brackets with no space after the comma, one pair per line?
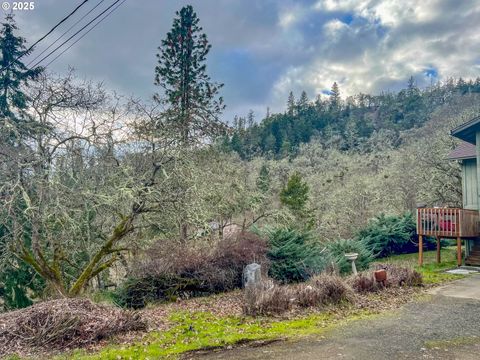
[431,72]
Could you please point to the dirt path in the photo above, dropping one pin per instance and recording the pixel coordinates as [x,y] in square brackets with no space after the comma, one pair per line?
[447,326]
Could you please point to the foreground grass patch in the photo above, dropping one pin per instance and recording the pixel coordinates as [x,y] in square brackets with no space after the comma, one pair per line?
[202,330]
[449,343]
[432,272]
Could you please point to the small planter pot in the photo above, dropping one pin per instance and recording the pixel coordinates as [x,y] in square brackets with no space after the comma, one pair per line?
[380,276]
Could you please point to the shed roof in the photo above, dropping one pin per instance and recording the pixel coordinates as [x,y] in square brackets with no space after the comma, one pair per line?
[463,151]
[467,131]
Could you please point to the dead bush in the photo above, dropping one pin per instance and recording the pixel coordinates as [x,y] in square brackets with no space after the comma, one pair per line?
[186,271]
[364,282]
[61,324]
[333,288]
[401,276]
[267,298]
[270,298]
[235,252]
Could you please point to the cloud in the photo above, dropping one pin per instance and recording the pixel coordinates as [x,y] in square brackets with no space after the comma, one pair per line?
[262,49]
[386,42]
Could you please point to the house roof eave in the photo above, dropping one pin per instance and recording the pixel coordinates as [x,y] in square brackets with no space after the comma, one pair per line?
[467,131]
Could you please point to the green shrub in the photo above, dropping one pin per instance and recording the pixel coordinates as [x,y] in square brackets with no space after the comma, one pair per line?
[294,255]
[338,249]
[388,235]
[136,293]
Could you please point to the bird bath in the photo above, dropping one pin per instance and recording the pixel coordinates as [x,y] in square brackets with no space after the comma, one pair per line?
[352,257]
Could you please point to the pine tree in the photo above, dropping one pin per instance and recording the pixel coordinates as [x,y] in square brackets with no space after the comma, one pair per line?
[335,96]
[250,119]
[412,105]
[15,123]
[17,279]
[291,104]
[192,98]
[302,103]
[295,194]
[412,89]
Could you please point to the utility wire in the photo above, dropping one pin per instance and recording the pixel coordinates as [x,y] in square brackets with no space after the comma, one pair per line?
[93,27]
[44,36]
[66,32]
[75,34]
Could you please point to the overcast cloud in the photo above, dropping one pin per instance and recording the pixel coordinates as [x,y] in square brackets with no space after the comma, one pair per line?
[262,49]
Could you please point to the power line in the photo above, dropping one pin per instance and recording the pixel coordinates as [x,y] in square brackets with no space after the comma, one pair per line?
[44,36]
[56,26]
[93,27]
[66,32]
[71,37]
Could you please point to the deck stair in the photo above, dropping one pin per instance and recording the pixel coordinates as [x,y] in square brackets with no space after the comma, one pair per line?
[473,257]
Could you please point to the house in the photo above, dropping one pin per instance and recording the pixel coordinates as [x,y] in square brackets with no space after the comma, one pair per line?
[460,224]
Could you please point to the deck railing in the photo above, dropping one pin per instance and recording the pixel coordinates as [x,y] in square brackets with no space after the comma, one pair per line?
[448,222]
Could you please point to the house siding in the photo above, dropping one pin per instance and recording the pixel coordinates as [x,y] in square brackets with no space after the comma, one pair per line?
[469,184]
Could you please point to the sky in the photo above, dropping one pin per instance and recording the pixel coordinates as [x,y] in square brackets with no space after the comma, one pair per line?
[263,49]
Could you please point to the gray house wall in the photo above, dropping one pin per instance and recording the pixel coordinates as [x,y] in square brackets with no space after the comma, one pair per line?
[469,184]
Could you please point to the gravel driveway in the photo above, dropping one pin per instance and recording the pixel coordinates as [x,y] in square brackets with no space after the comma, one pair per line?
[447,326]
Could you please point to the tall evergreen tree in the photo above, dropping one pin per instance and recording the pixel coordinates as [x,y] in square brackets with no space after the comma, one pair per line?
[291,104]
[193,100]
[302,103]
[335,96]
[411,105]
[15,123]
[17,279]
[250,118]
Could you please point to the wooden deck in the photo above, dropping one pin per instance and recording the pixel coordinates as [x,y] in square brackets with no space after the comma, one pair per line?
[446,223]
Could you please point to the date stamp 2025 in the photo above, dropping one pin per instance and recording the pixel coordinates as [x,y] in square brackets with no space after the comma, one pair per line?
[18,5]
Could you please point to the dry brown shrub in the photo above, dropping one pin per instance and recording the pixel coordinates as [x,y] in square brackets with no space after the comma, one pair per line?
[307,295]
[215,267]
[268,298]
[364,282]
[333,288]
[61,324]
[234,253]
[401,276]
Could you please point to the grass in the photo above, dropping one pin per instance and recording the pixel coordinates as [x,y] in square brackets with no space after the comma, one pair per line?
[449,343]
[432,272]
[201,330]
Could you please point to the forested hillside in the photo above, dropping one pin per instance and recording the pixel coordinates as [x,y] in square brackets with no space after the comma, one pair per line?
[350,124]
